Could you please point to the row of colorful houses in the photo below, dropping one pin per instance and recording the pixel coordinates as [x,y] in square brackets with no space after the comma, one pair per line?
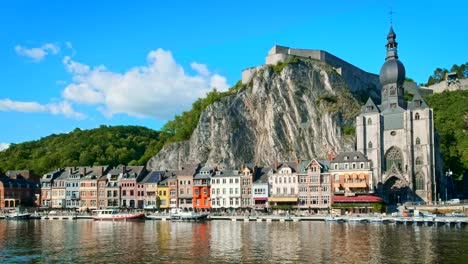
[314,185]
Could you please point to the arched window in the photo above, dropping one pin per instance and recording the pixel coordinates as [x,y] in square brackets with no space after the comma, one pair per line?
[416,116]
[369,145]
[419,182]
[369,121]
[394,157]
[418,161]
[418,141]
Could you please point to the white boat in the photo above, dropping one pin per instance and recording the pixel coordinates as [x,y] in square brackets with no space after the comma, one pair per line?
[115,215]
[179,215]
[17,215]
[334,219]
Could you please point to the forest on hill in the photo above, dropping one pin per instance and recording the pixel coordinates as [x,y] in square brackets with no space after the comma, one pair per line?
[106,145]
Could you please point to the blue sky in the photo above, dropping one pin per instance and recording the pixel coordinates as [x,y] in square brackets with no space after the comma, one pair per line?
[68,64]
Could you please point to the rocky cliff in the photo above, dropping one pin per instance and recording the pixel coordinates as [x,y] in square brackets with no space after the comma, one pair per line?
[299,110]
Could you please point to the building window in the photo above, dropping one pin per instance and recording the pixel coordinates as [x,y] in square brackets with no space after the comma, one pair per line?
[336,166]
[394,157]
[369,121]
[416,116]
[354,165]
[418,141]
[336,177]
[419,182]
[362,165]
[418,161]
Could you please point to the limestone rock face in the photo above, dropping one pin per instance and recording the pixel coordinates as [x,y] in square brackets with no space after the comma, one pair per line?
[297,112]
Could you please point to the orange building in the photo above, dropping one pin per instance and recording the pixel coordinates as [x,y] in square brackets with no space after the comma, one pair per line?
[202,189]
[352,183]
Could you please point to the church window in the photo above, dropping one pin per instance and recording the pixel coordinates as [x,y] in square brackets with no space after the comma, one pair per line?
[418,141]
[393,105]
[394,157]
[369,145]
[369,121]
[416,116]
[370,108]
[392,90]
[418,161]
[419,182]
[417,103]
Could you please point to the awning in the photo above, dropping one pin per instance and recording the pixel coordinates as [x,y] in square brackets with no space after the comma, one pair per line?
[354,176]
[260,198]
[356,199]
[282,199]
[354,185]
[362,176]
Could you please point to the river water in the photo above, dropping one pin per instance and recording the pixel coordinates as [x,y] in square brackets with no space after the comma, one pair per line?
[86,241]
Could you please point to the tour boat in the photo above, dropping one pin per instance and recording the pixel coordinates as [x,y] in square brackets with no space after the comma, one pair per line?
[16,215]
[180,215]
[115,215]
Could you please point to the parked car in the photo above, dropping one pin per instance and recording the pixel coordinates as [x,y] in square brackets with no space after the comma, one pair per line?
[453,201]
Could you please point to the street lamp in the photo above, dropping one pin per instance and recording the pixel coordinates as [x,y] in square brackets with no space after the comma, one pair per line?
[447,174]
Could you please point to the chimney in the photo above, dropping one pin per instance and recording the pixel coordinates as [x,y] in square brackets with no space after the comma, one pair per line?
[84,171]
[102,170]
[124,169]
[276,164]
[70,170]
[330,155]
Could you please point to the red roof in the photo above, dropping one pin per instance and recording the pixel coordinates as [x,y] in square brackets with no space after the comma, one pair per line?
[356,199]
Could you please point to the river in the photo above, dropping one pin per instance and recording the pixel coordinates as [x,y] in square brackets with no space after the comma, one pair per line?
[86,241]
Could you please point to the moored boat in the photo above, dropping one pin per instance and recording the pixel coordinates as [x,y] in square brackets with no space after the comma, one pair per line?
[334,219]
[180,215]
[115,215]
[16,215]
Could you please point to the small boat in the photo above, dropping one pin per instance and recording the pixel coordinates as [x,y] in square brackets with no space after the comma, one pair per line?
[180,215]
[16,215]
[334,219]
[115,215]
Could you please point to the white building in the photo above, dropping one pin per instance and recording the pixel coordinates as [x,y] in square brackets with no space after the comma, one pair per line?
[226,189]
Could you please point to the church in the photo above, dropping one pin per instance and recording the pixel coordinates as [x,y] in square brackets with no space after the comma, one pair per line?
[398,136]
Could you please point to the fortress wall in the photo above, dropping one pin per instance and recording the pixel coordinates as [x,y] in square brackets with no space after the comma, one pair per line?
[442,86]
[307,53]
[275,58]
[350,72]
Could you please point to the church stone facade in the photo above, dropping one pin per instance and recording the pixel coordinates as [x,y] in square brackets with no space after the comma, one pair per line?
[398,136]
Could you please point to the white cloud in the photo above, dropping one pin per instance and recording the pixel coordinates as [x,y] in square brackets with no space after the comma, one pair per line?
[200,68]
[159,89]
[37,54]
[60,108]
[4,146]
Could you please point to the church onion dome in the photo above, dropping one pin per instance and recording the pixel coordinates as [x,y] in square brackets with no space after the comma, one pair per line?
[393,70]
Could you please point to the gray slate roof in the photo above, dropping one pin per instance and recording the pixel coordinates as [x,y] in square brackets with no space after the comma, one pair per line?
[354,156]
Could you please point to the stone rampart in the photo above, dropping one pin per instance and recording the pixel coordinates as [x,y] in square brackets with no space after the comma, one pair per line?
[351,73]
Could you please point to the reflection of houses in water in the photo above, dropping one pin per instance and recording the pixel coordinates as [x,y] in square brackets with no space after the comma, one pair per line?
[398,136]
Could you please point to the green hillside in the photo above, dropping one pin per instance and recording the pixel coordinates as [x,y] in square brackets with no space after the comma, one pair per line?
[105,145]
[451,122]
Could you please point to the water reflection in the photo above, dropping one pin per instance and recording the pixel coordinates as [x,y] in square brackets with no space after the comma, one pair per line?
[224,241]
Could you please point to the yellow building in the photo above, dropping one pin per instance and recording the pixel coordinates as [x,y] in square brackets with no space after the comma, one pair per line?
[163,195]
